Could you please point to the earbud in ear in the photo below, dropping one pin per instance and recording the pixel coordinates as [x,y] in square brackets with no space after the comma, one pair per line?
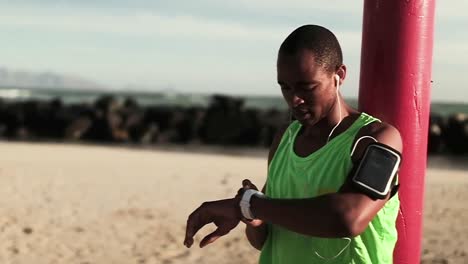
[337,78]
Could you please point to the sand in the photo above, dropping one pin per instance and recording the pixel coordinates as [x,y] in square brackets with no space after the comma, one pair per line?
[95,204]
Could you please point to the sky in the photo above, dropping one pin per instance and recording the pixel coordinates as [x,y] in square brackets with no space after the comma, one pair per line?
[202,46]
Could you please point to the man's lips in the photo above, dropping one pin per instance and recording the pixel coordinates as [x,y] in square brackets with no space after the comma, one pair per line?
[301,114]
[301,111]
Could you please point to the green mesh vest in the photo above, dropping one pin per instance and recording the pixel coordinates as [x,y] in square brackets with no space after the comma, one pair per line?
[324,171]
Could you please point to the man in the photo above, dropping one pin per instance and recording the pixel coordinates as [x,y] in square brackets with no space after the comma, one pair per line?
[312,211]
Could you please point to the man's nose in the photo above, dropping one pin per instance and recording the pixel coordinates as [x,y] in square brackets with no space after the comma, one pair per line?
[296,100]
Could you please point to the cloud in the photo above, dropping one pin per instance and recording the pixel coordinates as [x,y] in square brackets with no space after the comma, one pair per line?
[239,12]
[259,5]
[138,33]
[450,53]
[137,24]
[333,6]
[451,10]
[149,24]
[240,53]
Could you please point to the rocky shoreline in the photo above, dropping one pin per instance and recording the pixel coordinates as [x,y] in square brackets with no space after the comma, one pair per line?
[226,121]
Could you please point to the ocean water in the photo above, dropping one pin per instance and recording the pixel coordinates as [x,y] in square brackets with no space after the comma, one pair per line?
[179,99]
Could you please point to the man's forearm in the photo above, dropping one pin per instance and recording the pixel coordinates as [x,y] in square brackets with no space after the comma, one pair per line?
[323,216]
[257,235]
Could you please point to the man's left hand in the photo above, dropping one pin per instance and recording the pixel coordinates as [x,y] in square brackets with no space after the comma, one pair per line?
[225,214]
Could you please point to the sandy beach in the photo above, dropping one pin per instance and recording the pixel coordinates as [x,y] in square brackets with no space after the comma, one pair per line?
[96,204]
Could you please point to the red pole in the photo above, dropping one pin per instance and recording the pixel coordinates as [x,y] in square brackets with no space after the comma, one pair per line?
[395,81]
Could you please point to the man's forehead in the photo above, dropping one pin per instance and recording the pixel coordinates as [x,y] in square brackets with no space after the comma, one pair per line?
[300,56]
[300,62]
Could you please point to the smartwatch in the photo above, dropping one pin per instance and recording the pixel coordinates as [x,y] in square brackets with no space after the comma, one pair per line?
[245,203]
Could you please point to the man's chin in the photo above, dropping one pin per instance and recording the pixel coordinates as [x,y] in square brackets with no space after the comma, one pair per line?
[307,120]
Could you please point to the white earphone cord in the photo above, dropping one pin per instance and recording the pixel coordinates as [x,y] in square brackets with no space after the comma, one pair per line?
[339,106]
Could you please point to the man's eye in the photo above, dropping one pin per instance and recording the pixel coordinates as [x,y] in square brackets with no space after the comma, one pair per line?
[309,88]
[285,88]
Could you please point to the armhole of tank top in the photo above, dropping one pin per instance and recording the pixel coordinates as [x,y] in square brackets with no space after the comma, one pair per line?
[285,138]
[357,138]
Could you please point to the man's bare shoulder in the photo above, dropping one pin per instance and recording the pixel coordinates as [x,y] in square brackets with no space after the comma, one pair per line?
[387,134]
[383,132]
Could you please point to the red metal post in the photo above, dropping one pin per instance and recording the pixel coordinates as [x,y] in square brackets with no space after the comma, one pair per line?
[395,81]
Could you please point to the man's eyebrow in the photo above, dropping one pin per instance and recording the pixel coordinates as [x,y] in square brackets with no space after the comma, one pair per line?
[300,83]
[304,83]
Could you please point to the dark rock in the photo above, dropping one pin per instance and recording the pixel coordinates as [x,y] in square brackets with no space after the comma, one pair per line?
[437,127]
[456,136]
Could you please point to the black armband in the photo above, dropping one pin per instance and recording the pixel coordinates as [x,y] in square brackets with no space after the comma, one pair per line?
[376,173]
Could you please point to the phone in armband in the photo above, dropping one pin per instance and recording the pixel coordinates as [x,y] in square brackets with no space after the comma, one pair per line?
[377,170]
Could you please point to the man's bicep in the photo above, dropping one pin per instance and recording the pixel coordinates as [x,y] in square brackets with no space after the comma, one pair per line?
[361,207]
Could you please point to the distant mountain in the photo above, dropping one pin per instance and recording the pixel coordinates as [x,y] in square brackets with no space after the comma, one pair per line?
[45,80]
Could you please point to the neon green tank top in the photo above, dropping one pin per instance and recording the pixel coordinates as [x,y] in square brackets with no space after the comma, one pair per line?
[324,171]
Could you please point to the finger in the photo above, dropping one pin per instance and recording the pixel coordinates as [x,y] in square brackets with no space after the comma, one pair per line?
[194,223]
[255,222]
[189,232]
[247,184]
[240,191]
[251,222]
[212,237]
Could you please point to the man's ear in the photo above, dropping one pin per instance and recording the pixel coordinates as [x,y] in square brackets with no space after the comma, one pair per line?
[341,72]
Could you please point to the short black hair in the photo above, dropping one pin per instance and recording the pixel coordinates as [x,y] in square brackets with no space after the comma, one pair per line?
[320,41]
